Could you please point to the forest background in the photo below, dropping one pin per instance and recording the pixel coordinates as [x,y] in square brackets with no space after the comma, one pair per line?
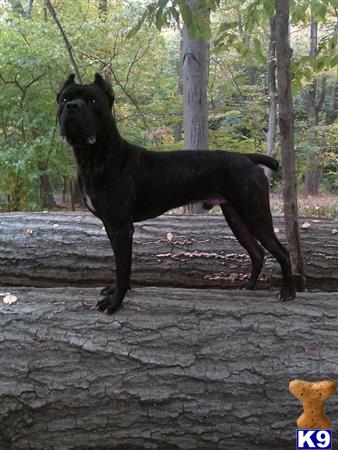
[137,46]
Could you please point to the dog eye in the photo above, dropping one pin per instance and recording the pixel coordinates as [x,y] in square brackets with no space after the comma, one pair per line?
[64,100]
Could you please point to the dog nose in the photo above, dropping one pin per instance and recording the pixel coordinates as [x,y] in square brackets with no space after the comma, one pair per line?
[74,105]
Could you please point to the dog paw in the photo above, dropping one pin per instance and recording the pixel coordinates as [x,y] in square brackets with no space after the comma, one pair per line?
[287,293]
[108,304]
[248,286]
[108,290]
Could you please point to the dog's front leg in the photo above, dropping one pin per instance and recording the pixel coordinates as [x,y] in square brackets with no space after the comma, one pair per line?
[121,242]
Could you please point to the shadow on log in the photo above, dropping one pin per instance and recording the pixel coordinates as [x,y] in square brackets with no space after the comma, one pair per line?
[73,249]
[174,369]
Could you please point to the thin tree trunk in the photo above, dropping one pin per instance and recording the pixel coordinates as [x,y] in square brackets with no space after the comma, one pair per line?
[195,86]
[73,249]
[286,117]
[178,126]
[273,96]
[178,132]
[45,10]
[173,369]
[17,7]
[30,9]
[46,191]
[312,177]
[332,114]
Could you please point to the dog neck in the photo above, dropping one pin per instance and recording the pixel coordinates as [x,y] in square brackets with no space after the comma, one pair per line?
[108,144]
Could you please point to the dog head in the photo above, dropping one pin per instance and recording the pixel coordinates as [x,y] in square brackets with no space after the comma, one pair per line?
[84,110]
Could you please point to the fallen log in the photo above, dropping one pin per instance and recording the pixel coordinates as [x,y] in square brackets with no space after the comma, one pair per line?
[73,249]
[174,369]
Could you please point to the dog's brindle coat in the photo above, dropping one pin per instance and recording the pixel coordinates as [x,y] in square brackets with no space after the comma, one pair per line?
[122,183]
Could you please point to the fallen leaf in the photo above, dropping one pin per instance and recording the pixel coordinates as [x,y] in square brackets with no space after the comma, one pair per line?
[9,299]
[29,231]
[56,225]
[306,225]
[170,237]
[277,230]
[334,231]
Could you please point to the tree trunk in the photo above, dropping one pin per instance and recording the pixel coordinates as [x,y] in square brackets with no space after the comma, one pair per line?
[178,126]
[46,191]
[332,114]
[17,7]
[195,87]
[312,174]
[30,9]
[273,96]
[73,249]
[174,369]
[283,52]
[75,194]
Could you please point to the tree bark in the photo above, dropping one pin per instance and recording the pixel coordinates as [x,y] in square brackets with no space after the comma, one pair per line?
[73,249]
[286,116]
[174,369]
[195,87]
[273,96]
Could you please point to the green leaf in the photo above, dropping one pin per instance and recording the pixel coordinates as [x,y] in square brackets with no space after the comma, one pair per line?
[334,61]
[139,24]
[269,7]
[225,26]
[258,51]
[186,14]
[159,20]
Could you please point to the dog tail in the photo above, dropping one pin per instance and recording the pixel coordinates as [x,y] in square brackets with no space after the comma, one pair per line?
[265,160]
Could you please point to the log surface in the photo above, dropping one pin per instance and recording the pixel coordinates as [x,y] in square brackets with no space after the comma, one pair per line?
[174,369]
[72,249]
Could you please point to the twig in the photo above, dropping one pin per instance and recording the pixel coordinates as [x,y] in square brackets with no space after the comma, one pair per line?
[66,41]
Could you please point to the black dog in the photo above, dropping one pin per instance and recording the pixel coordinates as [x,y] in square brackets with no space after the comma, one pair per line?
[122,183]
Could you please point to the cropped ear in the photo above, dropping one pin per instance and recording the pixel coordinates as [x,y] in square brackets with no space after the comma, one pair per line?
[106,87]
[71,80]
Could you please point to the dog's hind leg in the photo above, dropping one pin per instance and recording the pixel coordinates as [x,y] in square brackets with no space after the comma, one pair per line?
[257,217]
[247,240]
[266,236]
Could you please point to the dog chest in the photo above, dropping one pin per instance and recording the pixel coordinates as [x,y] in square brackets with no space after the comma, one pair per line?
[89,203]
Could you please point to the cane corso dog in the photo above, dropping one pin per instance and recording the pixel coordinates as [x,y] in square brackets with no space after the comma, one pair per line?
[122,183]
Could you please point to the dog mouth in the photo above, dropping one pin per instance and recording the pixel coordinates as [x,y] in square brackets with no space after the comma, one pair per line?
[75,132]
[71,141]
